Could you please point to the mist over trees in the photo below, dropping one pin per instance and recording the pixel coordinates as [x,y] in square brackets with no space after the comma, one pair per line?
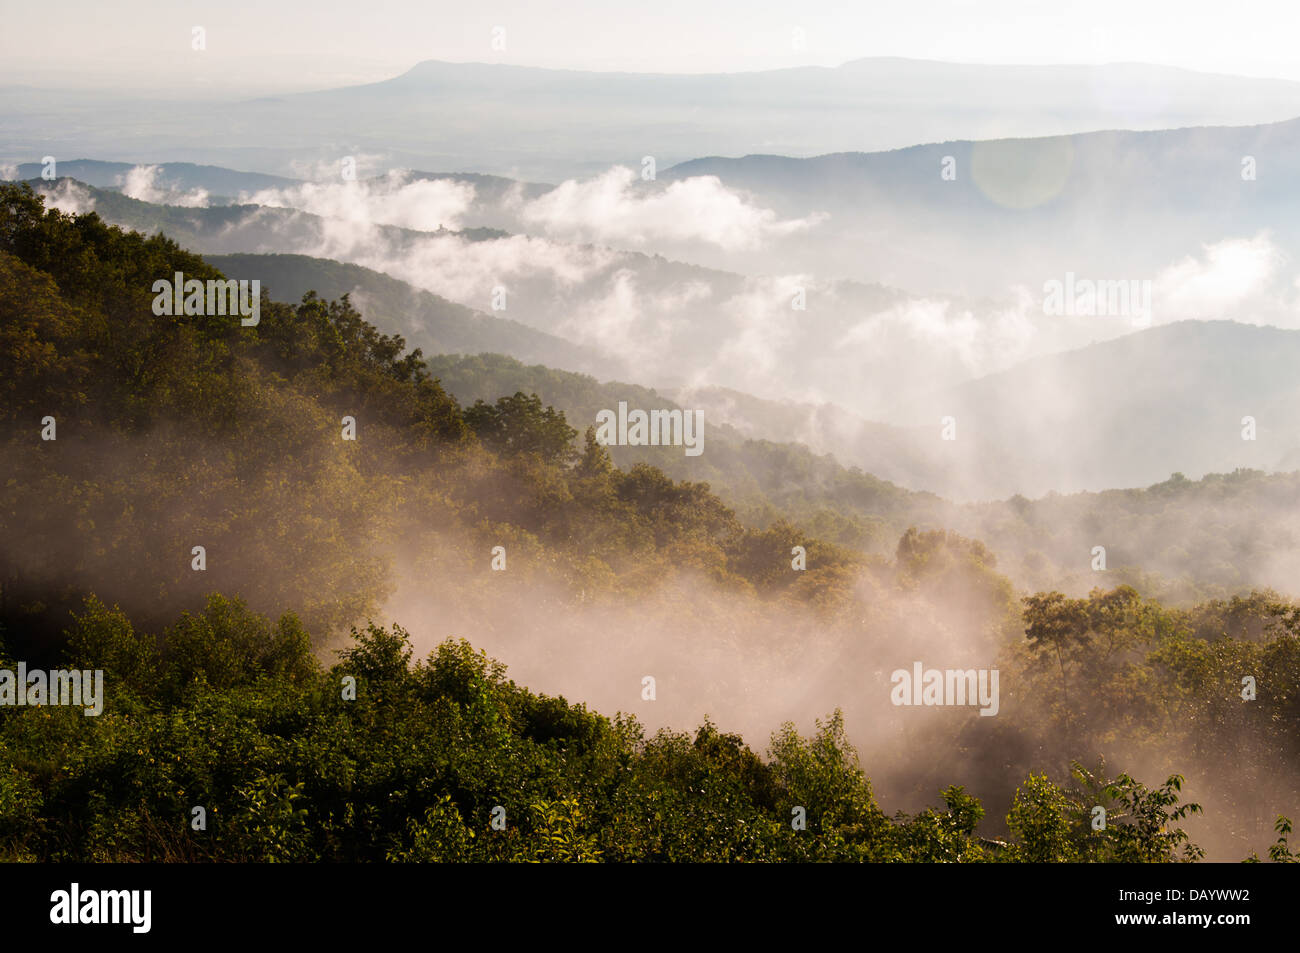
[401,564]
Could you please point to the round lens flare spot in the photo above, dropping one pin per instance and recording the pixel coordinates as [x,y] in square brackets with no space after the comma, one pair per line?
[1022,173]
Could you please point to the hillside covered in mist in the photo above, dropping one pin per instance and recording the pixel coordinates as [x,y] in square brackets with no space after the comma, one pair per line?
[131,438]
[692,283]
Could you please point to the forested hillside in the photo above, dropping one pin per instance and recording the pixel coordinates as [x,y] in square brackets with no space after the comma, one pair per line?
[268,683]
[1180,540]
[434,324]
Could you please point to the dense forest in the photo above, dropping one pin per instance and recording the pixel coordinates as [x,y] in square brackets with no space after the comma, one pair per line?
[259,682]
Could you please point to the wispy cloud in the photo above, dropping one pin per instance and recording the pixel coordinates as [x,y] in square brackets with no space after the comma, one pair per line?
[617,209]
[1235,278]
[394,199]
[142,183]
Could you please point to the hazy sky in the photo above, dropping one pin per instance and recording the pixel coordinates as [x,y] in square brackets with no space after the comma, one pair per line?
[292,44]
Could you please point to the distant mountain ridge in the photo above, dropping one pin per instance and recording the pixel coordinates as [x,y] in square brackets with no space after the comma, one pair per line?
[1126,412]
[1129,411]
[553,124]
[218,181]
[975,217]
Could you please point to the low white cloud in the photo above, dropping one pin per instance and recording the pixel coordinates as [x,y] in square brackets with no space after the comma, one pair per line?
[69,197]
[1235,278]
[763,328]
[141,182]
[962,341]
[616,209]
[393,199]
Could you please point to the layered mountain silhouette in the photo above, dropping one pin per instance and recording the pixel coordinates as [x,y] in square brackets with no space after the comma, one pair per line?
[551,124]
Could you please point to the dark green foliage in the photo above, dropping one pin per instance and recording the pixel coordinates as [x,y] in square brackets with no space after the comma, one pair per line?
[287,769]
[520,424]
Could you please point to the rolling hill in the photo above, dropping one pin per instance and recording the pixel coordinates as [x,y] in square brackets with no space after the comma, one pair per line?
[434,324]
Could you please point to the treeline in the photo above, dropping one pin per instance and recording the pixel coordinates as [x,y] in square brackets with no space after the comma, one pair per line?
[223,739]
